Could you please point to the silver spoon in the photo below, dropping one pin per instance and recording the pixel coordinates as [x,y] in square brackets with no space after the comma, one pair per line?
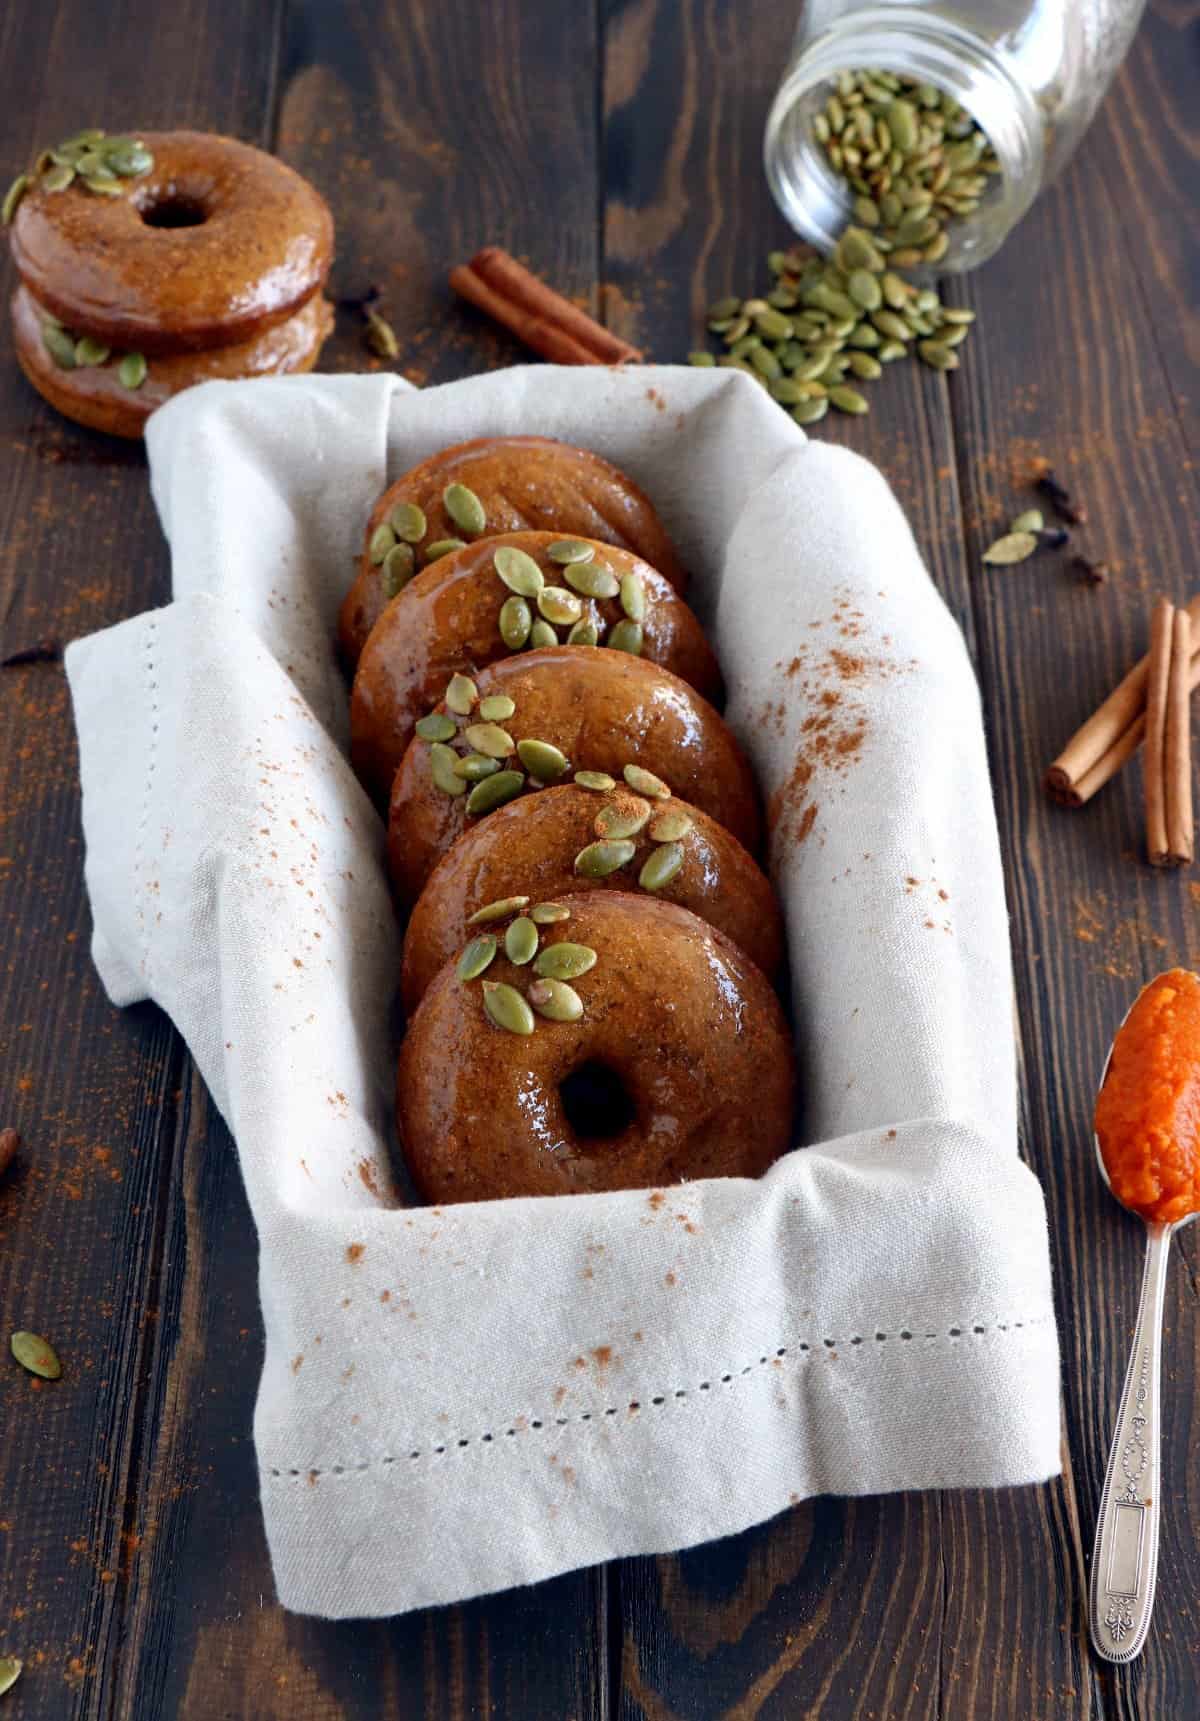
[1125,1555]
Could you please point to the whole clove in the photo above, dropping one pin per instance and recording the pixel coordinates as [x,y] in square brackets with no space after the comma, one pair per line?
[45,651]
[1091,573]
[1052,537]
[1060,498]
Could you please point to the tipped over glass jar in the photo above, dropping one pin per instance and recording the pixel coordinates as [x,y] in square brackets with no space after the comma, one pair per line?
[936,125]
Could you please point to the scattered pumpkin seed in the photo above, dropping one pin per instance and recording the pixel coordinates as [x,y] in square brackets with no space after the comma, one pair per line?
[494,791]
[443,761]
[383,539]
[563,961]
[592,579]
[497,708]
[132,370]
[848,400]
[465,509]
[399,566]
[600,859]
[866,367]
[559,605]
[669,826]
[58,178]
[380,336]
[500,909]
[461,694]
[489,739]
[408,522]
[699,357]
[37,1354]
[476,956]
[542,634]
[59,344]
[506,1007]
[518,570]
[661,867]
[11,1665]
[543,759]
[555,1000]
[1032,520]
[584,632]
[436,727]
[549,913]
[646,783]
[516,620]
[568,550]
[623,816]
[626,635]
[810,411]
[598,782]
[474,767]
[521,941]
[935,354]
[1012,547]
[12,198]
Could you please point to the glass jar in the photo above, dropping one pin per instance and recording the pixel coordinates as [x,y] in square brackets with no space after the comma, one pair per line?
[1030,72]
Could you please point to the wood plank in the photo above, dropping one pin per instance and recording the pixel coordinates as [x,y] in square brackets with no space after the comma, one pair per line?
[92,1091]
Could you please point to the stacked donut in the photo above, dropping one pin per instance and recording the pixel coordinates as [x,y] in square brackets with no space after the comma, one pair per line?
[148,264]
[588,962]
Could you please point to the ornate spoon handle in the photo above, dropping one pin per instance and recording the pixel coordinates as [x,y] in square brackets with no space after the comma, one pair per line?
[1125,1557]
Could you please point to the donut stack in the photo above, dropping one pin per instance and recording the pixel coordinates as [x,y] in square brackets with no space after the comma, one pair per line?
[572,829]
[150,263]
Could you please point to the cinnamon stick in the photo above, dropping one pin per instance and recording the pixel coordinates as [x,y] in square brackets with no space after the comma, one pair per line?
[1177,745]
[544,320]
[1113,734]
[1154,765]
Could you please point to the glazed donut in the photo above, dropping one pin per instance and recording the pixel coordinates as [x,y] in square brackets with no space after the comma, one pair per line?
[521,483]
[449,618]
[565,708]
[531,846]
[95,395]
[212,244]
[677,1064]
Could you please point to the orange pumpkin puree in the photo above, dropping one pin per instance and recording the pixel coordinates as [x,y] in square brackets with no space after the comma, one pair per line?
[1148,1112]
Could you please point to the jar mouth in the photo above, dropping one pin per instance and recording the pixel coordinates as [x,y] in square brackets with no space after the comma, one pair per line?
[817,202]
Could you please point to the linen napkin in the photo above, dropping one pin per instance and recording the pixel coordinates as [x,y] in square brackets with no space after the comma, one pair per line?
[460,1399]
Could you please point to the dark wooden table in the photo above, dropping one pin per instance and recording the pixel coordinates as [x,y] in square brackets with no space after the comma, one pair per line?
[617,147]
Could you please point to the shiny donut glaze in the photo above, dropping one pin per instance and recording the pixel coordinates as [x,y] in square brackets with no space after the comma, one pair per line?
[525,483]
[447,619]
[604,710]
[263,249]
[691,1027]
[96,397]
[529,848]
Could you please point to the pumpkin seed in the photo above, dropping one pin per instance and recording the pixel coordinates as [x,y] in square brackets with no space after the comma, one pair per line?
[128,157]
[555,1000]
[1012,547]
[863,365]
[599,782]
[542,634]
[102,185]
[497,708]
[516,620]
[584,632]
[810,411]
[442,547]
[888,351]
[461,694]
[559,605]
[935,354]
[890,323]
[518,570]
[11,1665]
[92,162]
[626,635]
[568,550]
[132,370]
[399,566]
[465,509]
[661,867]
[865,335]
[543,759]
[476,956]
[489,739]
[12,198]
[474,767]
[436,727]
[494,791]
[506,1007]
[521,941]
[765,363]
[1032,520]
[408,522]
[59,344]
[58,178]
[633,597]
[36,1353]
[498,910]
[623,816]
[563,961]
[549,913]
[644,782]
[865,290]
[668,827]
[848,400]
[442,768]
[383,539]
[951,335]
[592,579]
[773,324]
[600,859]
[957,314]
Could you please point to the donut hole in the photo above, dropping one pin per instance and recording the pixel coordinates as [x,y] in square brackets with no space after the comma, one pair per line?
[173,209]
[596,1102]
